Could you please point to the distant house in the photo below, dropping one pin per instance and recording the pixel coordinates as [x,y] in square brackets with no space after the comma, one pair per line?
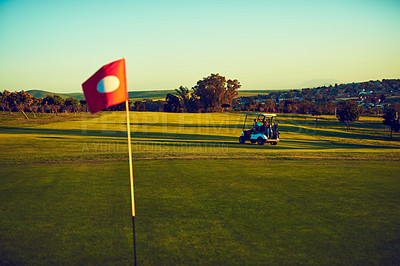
[365,92]
[348,99]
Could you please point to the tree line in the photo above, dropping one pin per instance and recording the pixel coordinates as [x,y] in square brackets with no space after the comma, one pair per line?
[287,106]
[24,102]
[211,94]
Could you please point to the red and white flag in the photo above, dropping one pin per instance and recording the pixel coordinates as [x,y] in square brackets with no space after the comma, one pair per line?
[107,87]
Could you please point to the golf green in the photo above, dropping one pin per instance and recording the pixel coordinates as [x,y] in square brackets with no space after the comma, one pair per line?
[321,196]
[202,212]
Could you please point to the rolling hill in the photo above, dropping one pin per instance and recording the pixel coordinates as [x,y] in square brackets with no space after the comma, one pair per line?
[139,95]
[160,94]
[42,94]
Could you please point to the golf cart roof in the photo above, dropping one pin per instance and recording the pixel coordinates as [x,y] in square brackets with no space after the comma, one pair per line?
[263,114]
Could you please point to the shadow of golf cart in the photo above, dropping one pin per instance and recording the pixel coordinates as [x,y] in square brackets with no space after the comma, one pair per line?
[263,129]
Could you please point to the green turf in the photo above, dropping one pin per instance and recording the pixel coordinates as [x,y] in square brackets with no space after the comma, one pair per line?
[321,196]
[208,212]
[191,136]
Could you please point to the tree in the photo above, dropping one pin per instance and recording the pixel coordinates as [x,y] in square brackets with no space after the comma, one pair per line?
[214,91]
[53,102]
[19,101]
[347,112]
[290,106]
[26,102]
[71,104]
[84,106]
[269,106]
[36,106]
[58,102]
[193,104]
[252,105]
[184,97]
[391,119]
[5,98]
[327,108]
[154,106]
[172,104]
[139,106]
[231,92]
[305,107]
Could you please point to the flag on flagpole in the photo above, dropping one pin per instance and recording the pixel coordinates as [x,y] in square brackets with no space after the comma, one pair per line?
[107,87]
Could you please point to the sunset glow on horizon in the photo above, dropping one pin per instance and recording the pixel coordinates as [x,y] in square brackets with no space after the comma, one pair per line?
[56,45]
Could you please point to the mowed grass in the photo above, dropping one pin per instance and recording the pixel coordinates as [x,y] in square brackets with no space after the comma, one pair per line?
[209,212]
[321,196]
[190,136]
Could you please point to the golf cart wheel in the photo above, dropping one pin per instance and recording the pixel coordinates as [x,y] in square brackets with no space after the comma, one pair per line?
[260,141]
[242,140]
[274,143]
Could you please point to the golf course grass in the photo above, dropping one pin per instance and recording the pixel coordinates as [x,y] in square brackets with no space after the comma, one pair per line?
[321,196]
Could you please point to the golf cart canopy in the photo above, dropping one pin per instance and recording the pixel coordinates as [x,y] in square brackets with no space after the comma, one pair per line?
[270,117]
[263,114]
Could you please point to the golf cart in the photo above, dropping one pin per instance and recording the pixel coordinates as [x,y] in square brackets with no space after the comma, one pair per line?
[264,129]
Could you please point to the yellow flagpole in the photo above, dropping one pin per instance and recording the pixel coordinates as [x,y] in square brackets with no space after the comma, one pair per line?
[128,129]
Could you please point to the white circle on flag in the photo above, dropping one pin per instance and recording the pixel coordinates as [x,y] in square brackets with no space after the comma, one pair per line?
[108,84]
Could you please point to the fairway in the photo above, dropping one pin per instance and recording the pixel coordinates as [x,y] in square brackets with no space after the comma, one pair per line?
[321,196]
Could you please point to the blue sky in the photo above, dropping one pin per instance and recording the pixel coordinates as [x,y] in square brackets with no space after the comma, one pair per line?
[57,45]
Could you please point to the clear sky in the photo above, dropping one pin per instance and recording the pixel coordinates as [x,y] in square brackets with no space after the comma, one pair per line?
[56,45]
